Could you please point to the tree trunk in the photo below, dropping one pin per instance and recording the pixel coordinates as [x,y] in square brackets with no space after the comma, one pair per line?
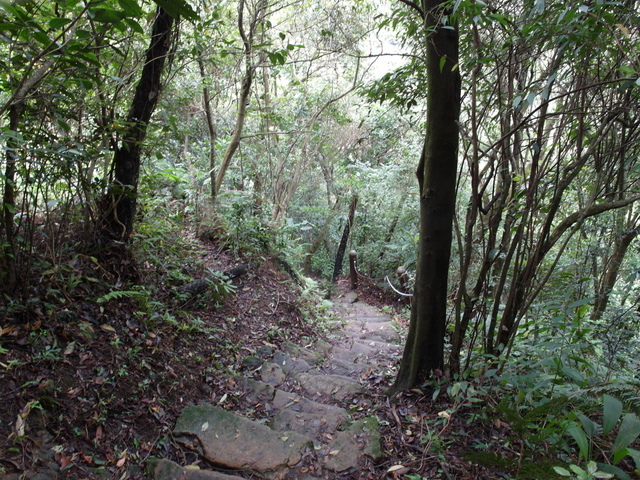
[245,89]
[211,128]
[610,274]
[322,235]
[9,276]
[424,349]
[14,107]
[342,248]
[120,206]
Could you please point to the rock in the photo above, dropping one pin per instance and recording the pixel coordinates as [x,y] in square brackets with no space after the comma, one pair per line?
[251,362]
[272,374]
[301,353]
[232,441]
[341,367]
[336,387]
[312,424]
[254,390]
[290,401]
[349,448]
[350,297]
[289,364]
[167,470]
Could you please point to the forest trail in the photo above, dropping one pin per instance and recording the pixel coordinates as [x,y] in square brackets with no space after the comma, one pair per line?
[309,407]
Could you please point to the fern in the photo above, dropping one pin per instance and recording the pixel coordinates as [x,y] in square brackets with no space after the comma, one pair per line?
[117,294]
[627,392]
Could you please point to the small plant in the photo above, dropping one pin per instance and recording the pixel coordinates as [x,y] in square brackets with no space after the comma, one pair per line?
[580,473]
[591,436]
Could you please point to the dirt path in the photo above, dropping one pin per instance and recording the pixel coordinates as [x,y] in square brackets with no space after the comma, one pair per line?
[308,407]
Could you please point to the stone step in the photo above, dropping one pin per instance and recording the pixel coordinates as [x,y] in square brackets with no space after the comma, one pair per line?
[275,400]
[303,432]
[162,469]
[235,442]
[328,387]
[332,414]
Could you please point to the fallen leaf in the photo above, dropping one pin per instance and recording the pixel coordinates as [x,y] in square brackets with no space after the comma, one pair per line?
[395,468]
[108,328]
[121,462]
[69,349]
[19,426]
[444,414]
[205,426]
[334,452]
[64,460]
[192,467]
[5,330]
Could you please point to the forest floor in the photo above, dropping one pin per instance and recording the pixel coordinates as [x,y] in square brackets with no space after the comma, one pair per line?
[92,388]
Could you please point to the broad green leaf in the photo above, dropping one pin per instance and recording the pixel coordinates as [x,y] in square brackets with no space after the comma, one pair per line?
[628,432]
[619,455]
[614,471]
[612,409]
[178,8]
[131,8]
[574,375]
[135,26]
[56,23]
[106,15]
[562,471]
[635,454]
[579,303]
[578,471]
[41,37]
[580,437]
[590,427]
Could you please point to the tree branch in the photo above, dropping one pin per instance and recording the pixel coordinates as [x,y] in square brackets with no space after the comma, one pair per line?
[414,6]
[585,213]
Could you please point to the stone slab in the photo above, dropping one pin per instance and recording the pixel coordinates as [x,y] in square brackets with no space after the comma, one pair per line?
[232,441]
[158,469]
[335,387]
[349,448]
[291,401]
[289,364]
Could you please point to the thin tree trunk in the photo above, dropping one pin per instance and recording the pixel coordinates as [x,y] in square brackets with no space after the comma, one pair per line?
[9,202]
[342,247]
[437,173]
[211,128]
[122,197]
[245,91]
[610,274]
[320,237]
[14,107]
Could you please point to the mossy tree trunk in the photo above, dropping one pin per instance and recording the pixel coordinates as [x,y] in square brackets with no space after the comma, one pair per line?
[424,348]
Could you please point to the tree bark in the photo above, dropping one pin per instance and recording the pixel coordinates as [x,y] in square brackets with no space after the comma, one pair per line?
[120,206]
[245,89]
[14,107]
[342,248]
[610,274]
[519,296]
[437,171]
[211,128]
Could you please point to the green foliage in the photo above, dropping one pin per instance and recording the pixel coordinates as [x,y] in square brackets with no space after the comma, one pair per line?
[592,437]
